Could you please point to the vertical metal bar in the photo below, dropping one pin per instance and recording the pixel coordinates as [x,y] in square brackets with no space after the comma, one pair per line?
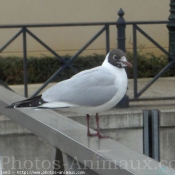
[25,62]
[121,25]
[135,60]
[171,29]
[155,134]
[146,133]
[107,39]
[58,157]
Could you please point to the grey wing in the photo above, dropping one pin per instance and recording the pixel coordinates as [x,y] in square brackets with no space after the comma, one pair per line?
[92,87]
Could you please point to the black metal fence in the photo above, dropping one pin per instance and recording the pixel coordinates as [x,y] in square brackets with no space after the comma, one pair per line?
[120,24]
[121,44]
[24,29]
[171,63]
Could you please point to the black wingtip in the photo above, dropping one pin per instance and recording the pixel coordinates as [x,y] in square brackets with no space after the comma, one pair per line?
[30,102]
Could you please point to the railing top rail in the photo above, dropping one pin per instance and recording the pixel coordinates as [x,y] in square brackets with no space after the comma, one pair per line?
[80,24]
[68,135]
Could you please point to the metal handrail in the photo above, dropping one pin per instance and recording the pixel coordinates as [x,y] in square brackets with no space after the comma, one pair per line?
[82,24]
[65,134]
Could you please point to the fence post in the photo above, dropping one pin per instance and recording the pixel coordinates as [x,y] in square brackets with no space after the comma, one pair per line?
[25,62]
[171,28]
[121,45]
[121,30]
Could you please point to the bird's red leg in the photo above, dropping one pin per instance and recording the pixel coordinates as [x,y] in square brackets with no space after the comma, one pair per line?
[88,129]
[98,128]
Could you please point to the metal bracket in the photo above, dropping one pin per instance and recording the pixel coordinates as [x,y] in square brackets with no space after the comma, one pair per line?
[151,146]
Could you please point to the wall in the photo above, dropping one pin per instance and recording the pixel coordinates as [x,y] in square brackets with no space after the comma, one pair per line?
[69,40]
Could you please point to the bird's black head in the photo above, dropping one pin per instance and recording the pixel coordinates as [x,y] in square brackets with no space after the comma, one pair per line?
[118,58]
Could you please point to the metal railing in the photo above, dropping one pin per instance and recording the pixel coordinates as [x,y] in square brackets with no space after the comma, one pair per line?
[96,156]
[171,63]
[24,29]
[120,24]
[121,44]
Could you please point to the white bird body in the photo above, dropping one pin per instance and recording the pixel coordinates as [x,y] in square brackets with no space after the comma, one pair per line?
[88,92]
[118,79]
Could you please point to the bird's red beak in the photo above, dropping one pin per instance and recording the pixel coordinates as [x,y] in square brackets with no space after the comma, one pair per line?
[127,63]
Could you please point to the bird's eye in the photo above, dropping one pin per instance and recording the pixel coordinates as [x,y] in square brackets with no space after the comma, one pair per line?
[115,57]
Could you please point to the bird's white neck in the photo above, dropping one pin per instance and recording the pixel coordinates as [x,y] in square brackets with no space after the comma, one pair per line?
[105,62]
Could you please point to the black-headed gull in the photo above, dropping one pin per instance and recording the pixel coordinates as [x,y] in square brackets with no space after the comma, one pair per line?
[88,92]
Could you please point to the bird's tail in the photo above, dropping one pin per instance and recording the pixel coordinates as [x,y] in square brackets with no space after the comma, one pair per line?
[30,102]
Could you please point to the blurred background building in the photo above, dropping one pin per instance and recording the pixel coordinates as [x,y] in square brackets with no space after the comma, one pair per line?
[67,40]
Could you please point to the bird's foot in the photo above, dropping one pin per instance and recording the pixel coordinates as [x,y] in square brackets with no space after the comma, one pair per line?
[99,135]
[98,128]
[92,134]
[103,136]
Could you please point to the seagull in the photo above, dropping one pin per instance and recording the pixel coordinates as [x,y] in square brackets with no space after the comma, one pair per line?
[88,92]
